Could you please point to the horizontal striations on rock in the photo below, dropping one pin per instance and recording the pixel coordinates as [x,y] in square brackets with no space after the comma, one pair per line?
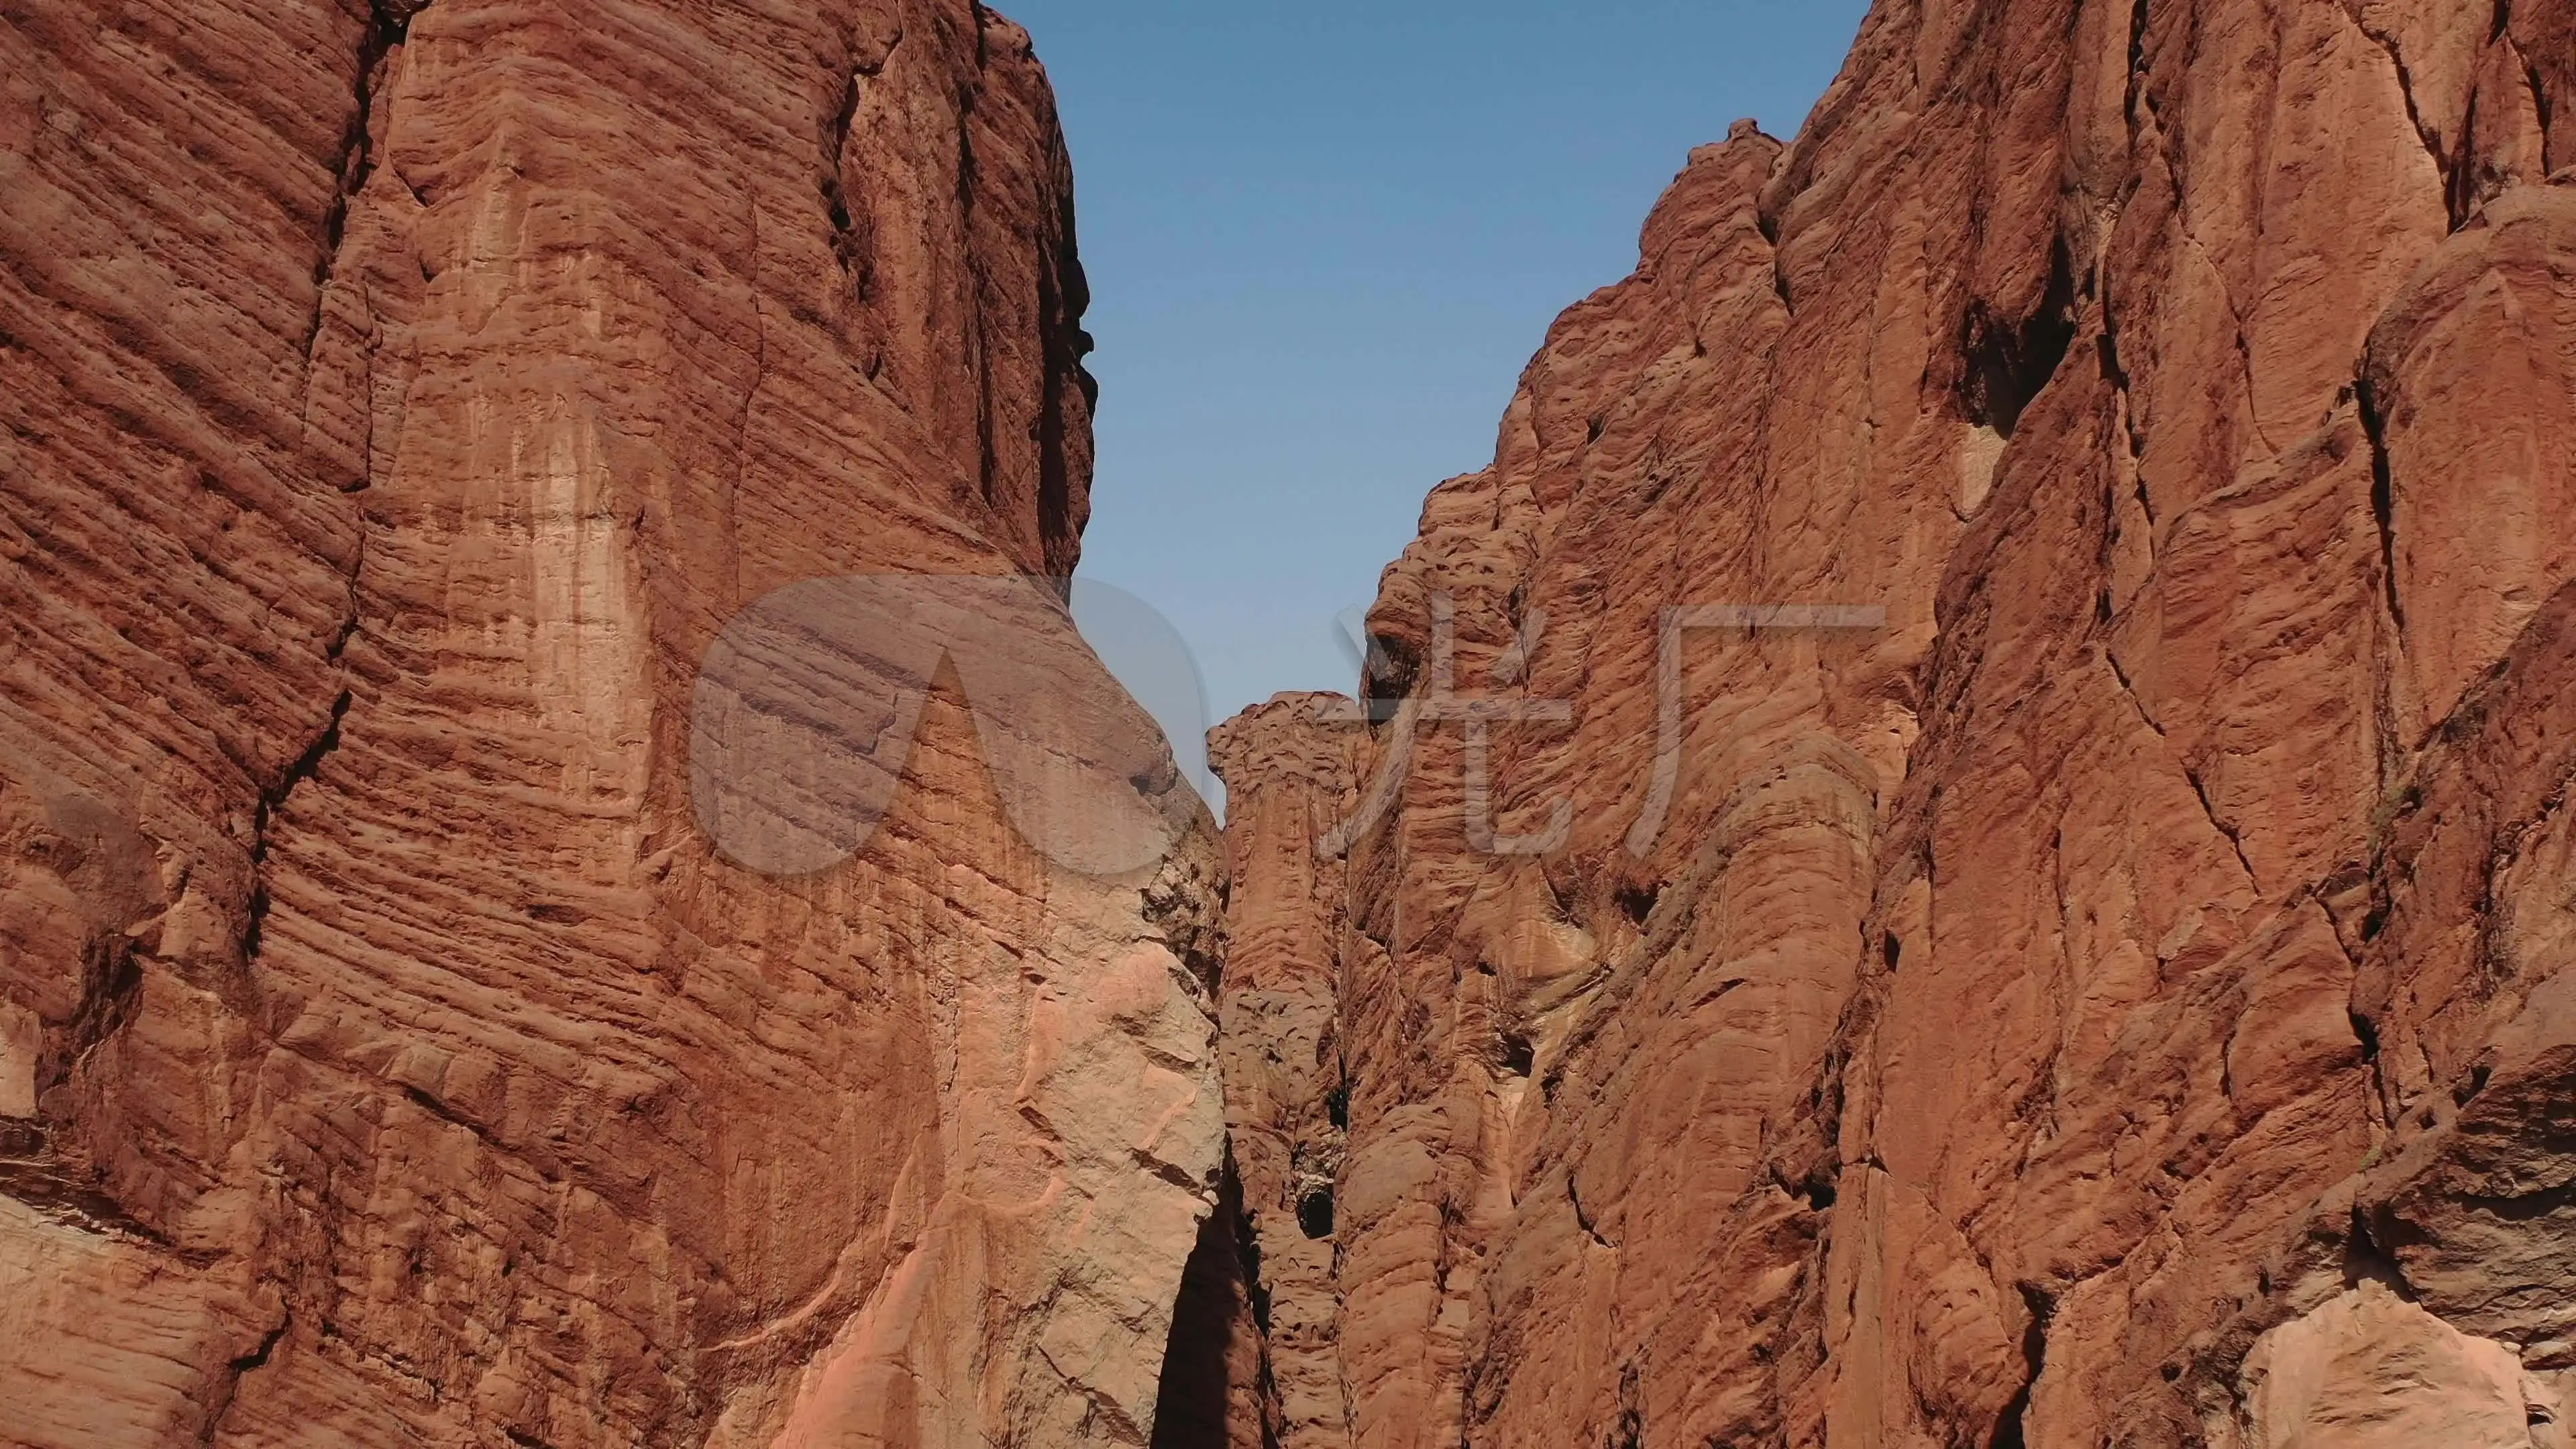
[399,400]
[1964,840]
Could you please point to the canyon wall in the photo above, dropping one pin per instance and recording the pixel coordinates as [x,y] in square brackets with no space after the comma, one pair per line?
[1964,840]
[399,400]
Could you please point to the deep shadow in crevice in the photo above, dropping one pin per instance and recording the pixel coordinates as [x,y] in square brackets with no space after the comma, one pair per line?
[306,768]
[2383,491]
[2011,1432]
[388,29]
[2368,1258]
[1212,1332]
[1315,1213]
[1389,678]
[2008,361]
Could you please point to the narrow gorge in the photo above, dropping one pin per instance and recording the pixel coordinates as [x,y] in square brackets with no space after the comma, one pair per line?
[1963,843]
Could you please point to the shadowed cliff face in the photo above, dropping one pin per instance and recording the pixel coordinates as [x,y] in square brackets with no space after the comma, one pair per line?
[398,402]
[2067,939]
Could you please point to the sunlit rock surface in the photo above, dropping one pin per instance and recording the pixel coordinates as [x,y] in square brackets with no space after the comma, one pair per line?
[397,403]
[2124,994]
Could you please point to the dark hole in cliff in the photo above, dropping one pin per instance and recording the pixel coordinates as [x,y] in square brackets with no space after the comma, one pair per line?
[1157,782]
[1315,1213]
[2009,1431]
[1190,1405]
[1337,1105]
[1892,949]
[1519,1057]
[2106,350]
[2008,362]
[2367,1033]
[1389,677]
[1638,902]
[2366,1259]
[1821,1194]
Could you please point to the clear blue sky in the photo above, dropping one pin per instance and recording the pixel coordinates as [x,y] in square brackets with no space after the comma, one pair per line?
[1324,237]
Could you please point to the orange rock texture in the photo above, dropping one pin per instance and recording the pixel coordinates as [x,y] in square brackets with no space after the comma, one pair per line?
[395,402]
[2067,938]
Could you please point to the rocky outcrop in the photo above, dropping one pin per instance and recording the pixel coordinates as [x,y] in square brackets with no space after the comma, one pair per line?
[1287,1105]
[399,399]
[1964,840]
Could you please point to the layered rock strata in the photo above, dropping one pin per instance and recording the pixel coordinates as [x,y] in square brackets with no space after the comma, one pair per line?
[399,399]
[2065,939]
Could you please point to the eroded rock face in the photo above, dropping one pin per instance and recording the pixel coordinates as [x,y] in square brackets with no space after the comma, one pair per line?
[398,402]
[2067,939]
[1279,1036]
[2369,1369]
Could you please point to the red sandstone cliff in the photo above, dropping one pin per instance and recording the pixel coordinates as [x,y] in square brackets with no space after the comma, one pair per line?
[397,402]
[2125,997]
